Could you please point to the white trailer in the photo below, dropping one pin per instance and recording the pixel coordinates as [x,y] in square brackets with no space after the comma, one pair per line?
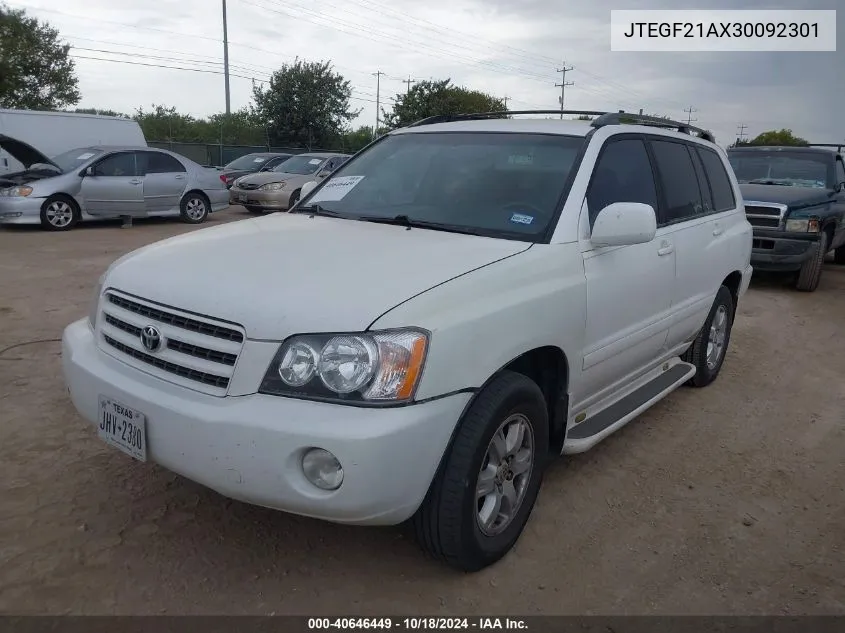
[53,133]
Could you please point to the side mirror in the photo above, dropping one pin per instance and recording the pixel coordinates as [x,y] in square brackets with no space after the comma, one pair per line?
[88,171]
[324,173]
[307,188]
[624,224]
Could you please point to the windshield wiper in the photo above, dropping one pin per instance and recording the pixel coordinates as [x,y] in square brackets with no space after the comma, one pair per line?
[316,209]
[770,181]
[410,223]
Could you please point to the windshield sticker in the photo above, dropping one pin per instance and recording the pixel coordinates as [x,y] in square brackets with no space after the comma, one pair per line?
[336,188]
[521,160]
[521,218]
[85,156]
[315,161]
[258,160]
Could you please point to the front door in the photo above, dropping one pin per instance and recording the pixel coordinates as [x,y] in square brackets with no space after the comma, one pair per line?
[165,179]
[115,188]
[627,319]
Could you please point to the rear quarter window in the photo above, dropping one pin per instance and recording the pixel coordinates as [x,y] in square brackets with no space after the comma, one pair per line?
[720,182]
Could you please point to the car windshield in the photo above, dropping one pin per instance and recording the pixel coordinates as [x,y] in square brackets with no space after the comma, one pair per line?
[796,169]
[250,161]
[496,184]
[302,165]
[75,158]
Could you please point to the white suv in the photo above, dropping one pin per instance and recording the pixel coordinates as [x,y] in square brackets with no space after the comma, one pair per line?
[462,301]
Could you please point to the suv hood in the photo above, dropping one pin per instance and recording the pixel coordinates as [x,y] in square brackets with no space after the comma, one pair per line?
[23,152]
[284,274]
[793,197]
[262,178]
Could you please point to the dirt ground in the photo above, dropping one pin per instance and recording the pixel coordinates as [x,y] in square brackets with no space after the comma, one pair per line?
[726,500]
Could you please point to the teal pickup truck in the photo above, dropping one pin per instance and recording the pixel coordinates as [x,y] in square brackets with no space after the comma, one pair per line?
[795,202]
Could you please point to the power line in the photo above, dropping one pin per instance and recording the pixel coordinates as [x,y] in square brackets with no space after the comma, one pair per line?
[563,84]
[689,111]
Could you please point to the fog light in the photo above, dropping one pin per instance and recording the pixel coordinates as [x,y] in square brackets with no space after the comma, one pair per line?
[322,469]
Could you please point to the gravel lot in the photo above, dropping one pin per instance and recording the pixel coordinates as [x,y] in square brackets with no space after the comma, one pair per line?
[726,500]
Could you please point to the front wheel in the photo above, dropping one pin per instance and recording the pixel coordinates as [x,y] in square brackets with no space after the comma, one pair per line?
[194,208]
[708,350]
[811,271]
[485,489]
[59,213]
[294,198]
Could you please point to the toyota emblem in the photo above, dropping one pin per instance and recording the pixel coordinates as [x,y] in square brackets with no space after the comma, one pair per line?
[151,338]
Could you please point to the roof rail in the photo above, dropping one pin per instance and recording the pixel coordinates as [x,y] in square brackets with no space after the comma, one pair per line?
[838,146]
[602,119]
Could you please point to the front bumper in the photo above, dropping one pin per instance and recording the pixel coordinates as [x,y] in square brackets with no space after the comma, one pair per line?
[270,200]
[22,210]
[250,447]
[782,252]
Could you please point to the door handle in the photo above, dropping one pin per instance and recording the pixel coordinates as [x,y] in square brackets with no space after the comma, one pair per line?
[180,177]
[718,230]
[665,249]
[134,182]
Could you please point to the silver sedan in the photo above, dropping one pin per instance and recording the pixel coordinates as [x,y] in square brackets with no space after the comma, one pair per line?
[106,182]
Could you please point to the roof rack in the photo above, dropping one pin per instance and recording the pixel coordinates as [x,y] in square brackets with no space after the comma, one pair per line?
[838,146]
[602,119]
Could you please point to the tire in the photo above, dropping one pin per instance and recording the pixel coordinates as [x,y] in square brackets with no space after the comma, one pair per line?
[839,256]
[194,208]
[448,523]
[718,325]
[294,198]
[59,213]
[811,271]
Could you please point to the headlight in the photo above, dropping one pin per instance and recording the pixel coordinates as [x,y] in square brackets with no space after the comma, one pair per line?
[93,310]
[273,186]
[802,226]
[16,192]
[358,367]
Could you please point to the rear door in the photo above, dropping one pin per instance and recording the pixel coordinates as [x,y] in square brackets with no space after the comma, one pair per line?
[839,178]
[165,180]
[116,186]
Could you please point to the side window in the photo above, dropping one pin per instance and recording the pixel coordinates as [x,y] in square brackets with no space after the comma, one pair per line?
[840,172]
[122,164]
[703,181]
[720,182]
[680,182]
[158,163]
[622,174]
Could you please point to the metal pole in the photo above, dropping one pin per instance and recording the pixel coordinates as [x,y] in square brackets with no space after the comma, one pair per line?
[378,75]
[226,57]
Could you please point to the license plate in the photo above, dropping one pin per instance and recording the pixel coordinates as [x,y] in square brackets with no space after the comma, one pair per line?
[241,197]
[123,427]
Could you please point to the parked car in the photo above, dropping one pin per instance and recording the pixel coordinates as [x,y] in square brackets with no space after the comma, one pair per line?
[279,189]
[105,182]
[795,200]
[57,132]
[458,304]
[252,163]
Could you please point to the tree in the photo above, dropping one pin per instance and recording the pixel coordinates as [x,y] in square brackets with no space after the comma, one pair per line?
[431,98]
[241,127]
[36,72]
[120,115]
[306,104]
[355,140]
[778,137]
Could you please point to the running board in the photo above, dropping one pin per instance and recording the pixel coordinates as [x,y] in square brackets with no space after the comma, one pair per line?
[584,436]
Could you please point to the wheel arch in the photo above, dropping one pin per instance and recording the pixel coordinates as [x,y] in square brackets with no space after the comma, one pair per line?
[733,282]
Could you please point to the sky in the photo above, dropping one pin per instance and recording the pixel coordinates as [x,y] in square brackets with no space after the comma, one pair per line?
[508,48]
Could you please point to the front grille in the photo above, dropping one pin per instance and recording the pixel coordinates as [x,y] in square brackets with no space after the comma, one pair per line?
[763,244]
[191,374]
[765,215]
[177,320]
[193,351]
[248,186]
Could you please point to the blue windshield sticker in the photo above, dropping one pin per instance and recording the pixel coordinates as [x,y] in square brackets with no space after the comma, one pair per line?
[520,218]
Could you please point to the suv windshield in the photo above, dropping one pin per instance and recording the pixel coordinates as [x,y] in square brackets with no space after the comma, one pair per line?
[250,161]
[496,184]
[796,169]
[75,158]
[302,165]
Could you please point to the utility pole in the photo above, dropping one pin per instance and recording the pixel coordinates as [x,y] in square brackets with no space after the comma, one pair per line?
[689,111]
[740,134]
[226,57]
[378,75]
[563,84]
[505,100]
[409,81]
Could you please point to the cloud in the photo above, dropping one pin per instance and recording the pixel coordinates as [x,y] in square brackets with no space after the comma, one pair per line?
[503,47]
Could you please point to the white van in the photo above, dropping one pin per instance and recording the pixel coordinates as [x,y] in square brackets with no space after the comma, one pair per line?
[53,133]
